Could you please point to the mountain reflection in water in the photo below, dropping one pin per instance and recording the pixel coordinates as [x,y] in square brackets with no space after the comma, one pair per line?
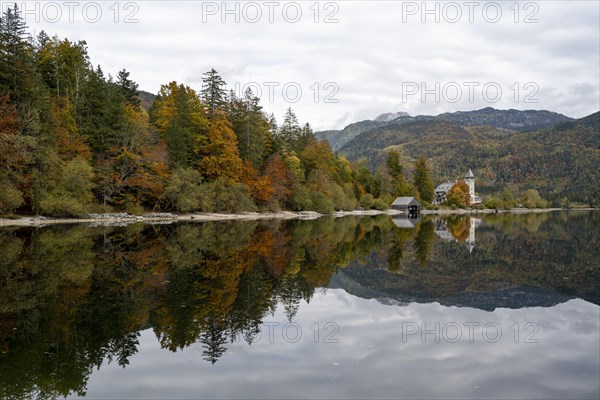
[227,300]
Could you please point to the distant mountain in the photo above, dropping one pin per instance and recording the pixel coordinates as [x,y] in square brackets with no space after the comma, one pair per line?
[146,99]
[506,119]
[339,138]
[387,117]
[514,120]
[560,161]
[352,281]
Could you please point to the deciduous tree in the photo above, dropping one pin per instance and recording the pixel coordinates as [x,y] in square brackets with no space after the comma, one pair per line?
[458,194]
[217,152]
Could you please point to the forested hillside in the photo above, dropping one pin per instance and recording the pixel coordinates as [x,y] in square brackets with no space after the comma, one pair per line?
[514,120]
[75,139]
[339,138]
[560,162]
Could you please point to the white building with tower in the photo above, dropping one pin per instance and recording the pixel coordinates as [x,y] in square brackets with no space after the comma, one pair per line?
[470,181]
[441,192]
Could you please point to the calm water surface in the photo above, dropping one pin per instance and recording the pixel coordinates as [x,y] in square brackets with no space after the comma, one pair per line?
[498,306]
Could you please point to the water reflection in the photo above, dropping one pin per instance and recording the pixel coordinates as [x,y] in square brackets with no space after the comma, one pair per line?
[458,230]
[75,299]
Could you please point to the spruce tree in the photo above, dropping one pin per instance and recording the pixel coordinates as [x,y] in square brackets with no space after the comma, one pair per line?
[290,130]
[16,58]
[213,92]
[129,88]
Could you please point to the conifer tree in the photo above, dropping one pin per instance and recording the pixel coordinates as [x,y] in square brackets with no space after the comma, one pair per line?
[129,88]
[251,127]
[213,92]
[395,169]
[16,58]
[180,117]
[422,180]
[290,130]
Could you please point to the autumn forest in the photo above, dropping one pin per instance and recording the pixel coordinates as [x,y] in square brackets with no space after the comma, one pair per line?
[75,140]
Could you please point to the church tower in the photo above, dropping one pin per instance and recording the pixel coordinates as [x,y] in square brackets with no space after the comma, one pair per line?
[470,181]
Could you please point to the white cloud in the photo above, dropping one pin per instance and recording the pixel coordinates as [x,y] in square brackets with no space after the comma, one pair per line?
[372,360]
[368,54]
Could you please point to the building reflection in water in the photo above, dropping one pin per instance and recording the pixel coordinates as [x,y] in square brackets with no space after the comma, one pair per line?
[457,230]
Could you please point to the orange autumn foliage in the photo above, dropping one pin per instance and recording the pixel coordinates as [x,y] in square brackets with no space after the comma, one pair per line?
[261,187]
[281,178]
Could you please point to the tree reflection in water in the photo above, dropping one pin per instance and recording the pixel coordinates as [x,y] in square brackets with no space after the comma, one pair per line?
[75,296]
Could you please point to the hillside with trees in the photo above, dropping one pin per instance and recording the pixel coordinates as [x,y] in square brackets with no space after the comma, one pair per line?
[75,140]
[560,162]
[514,120]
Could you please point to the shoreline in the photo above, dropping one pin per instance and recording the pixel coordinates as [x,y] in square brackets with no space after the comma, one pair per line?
[120,219]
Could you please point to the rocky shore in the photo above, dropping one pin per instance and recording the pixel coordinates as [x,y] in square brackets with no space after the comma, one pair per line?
[121,219]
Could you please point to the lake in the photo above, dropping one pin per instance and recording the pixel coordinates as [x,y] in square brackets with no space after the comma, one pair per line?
[495,306]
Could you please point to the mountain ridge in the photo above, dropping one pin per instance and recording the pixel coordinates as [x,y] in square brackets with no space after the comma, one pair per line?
[560,161]
[511,119]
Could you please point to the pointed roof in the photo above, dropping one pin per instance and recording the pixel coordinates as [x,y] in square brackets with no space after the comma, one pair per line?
[470,174]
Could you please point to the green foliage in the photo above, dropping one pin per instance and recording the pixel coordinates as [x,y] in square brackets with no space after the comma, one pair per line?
[129,88]
[67,188]
[180,117]
[301,199]
[213,92]
[186,192]
[289,132]
[10,198]
[399,185]
[532,199]
[17,75]
[231,197]
[134,209]
[493,202]
[507,199]
[321,203]
[559,162]
[70,136]
[343,198]
[423,241]
[367,201]
[393,163]
[422,180]
[426,205]
[381,204]
[252,128]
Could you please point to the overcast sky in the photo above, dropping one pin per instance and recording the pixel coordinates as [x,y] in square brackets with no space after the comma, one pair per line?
[351,60]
